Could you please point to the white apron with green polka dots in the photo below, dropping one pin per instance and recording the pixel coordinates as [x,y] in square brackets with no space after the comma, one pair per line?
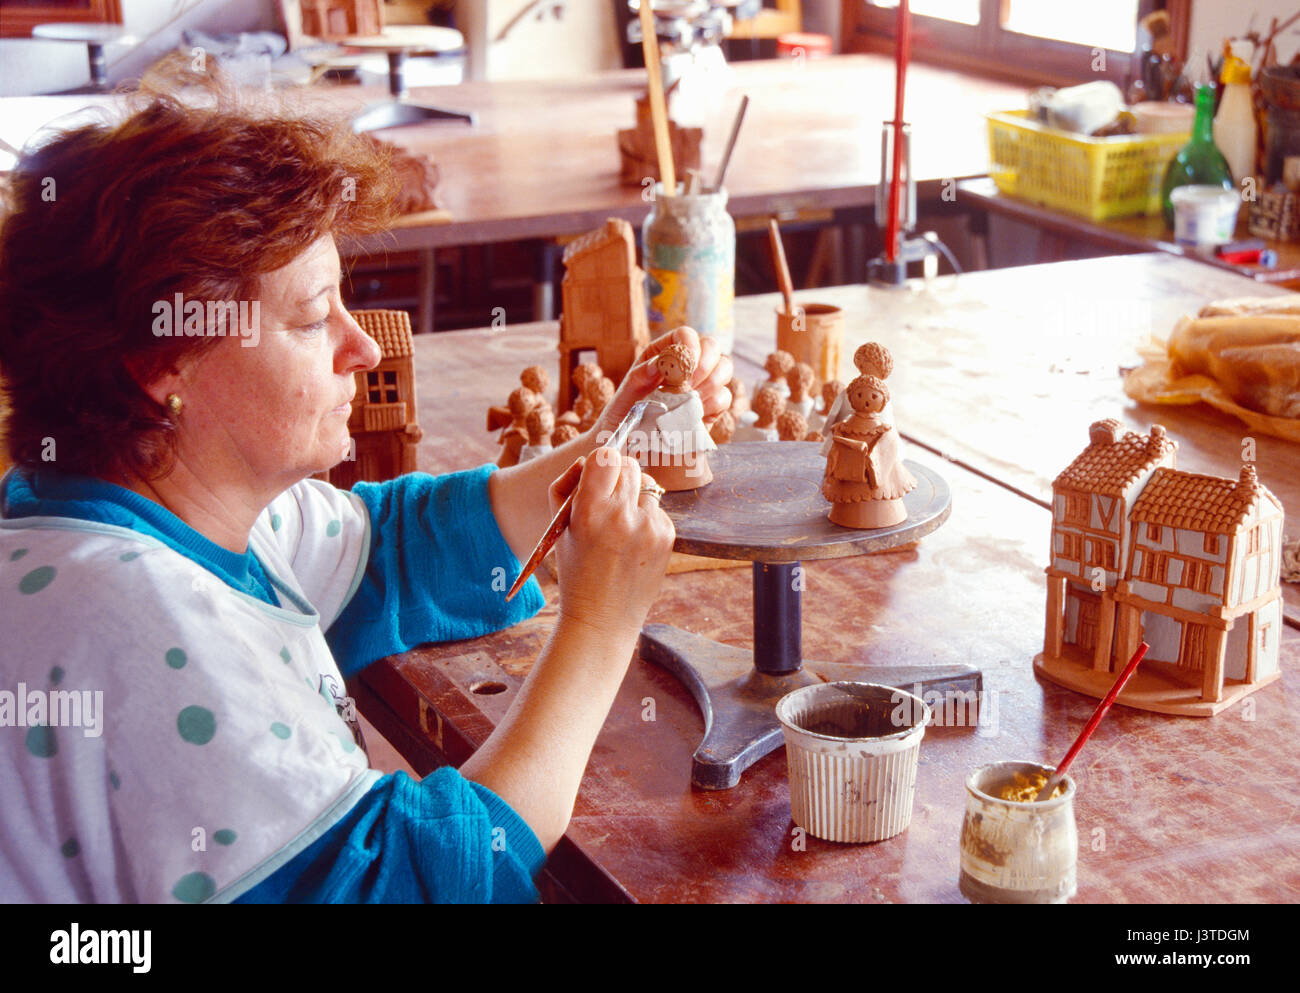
[218,755]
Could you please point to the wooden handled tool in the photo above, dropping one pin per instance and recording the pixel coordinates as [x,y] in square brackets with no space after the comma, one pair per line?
[778,263]
[658,105]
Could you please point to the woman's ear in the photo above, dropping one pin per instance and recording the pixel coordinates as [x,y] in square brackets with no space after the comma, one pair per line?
[156,386]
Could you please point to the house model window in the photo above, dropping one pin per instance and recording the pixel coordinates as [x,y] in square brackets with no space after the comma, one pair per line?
[381,387]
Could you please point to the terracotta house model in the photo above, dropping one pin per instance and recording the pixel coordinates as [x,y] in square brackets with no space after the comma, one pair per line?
[330,19]
[603,305]
[383,419]
[1188,563]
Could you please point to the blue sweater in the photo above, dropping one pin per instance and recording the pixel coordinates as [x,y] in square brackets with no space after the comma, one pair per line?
[443,839]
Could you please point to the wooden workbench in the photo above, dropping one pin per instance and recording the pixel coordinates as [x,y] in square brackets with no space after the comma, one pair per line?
[1004,370]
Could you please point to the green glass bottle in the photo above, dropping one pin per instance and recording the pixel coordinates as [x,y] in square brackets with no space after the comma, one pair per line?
[1199,162]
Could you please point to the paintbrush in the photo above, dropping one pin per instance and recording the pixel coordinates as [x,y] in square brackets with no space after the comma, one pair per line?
[779,264]
[561,519]
[731,143]
[1046,792]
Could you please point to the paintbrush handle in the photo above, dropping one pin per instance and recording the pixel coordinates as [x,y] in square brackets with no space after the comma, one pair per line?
[552,534]
[1093,721]
[731,142]
[779,264]
[658,105]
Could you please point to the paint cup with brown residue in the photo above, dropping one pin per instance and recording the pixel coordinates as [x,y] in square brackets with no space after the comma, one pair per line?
[1014,852]
[852,750]
[813,334]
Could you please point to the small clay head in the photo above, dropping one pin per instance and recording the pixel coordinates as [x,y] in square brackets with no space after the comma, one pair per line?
[829,392]
[588,370]
[739,397]
[677,365]
[867,394]
[800,379]
[564,432]
[535,378]
[540,423]
[724,428]
[778,364]
[599,391]
[521,402]
[791,426]
[873,359]
[768,405]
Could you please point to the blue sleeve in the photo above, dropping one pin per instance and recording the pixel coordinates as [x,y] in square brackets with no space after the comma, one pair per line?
[443,839]
[439,569]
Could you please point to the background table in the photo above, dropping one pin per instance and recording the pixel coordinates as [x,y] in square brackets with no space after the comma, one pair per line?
[1062,234]
[1005,370]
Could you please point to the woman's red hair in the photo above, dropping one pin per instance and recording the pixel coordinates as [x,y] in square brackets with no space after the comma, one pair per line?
[105,220]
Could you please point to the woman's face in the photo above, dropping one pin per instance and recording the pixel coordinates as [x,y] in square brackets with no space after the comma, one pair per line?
[271,414]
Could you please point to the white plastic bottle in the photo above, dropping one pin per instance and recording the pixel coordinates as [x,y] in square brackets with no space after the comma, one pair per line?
[1234,124]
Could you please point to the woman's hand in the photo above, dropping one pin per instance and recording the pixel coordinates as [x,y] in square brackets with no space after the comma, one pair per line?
[713,371]
[615,552]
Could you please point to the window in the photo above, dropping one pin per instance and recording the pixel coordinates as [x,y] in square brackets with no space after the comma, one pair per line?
[1153,533]
[1252,540]
[1076,508]
[1196,576]
[20,17]
[1101,553]
[1154,567]
[1211,544]
[1042,41]
[1071,546]
[381,387]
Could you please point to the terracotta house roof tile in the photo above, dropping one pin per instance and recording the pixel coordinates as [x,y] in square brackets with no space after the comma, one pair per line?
[1195,502]
[390,328]
[1114,460]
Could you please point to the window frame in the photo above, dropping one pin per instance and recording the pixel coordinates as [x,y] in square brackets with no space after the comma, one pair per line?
[17,22]
[991,50]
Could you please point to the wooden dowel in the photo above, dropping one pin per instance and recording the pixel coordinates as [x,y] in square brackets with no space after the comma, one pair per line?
[658,105]
[783,279]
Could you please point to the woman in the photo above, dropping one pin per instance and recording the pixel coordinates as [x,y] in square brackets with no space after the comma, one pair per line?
[167,566]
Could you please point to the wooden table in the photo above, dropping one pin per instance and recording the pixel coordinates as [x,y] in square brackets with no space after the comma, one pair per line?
[543,160]
[1141,233]
[1004,370]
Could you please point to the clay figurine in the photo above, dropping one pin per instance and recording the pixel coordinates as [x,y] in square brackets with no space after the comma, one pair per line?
[800,381]
[791,426]
[671,444]
[768,406]
[515,436]
[778,364]
[596,392]
[830,392]
[740,411]
[871,359]
[563,433]
[723,429]
[865,476]
[539,424]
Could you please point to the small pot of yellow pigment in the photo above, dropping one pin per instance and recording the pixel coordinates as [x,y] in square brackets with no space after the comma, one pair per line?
[1014,848]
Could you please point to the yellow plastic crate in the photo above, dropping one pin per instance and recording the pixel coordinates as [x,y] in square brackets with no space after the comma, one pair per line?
[1097,178]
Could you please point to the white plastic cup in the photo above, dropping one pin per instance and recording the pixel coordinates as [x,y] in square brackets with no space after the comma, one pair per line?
[852,750]
[1205,216]
[1014,852]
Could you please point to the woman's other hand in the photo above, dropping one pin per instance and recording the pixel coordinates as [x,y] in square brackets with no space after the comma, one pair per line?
[713,371]
[614,554]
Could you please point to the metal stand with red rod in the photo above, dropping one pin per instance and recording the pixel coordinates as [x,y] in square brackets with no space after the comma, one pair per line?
[896,194]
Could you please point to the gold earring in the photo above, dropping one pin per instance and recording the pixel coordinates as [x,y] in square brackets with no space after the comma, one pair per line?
[173,403]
